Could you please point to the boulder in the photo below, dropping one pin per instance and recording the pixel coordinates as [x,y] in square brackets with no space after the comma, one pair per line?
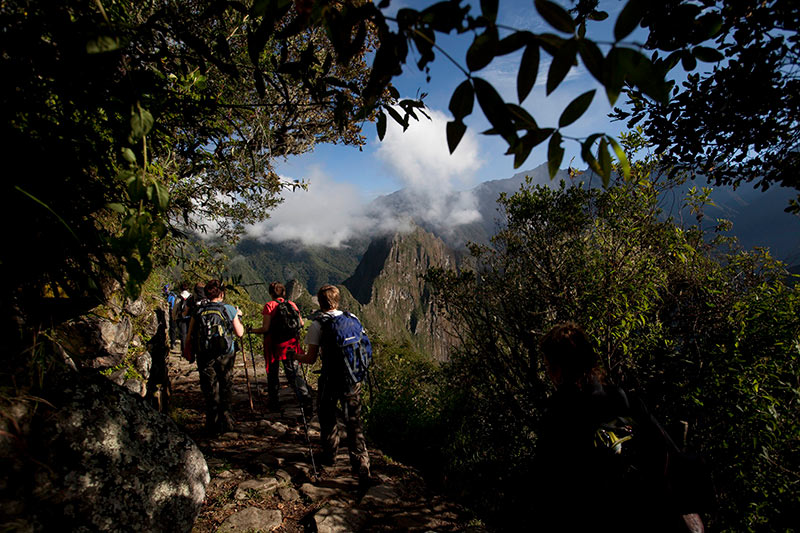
[108,462]
[97,342]
[251,520]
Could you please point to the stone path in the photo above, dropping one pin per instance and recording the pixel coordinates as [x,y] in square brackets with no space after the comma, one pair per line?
[262,478]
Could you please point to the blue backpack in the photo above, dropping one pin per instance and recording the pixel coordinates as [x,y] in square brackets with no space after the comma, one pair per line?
[346,341]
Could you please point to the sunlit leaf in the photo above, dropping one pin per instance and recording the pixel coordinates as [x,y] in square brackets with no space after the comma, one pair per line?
[102,44]
[604,160]
[624,164]
[128,155]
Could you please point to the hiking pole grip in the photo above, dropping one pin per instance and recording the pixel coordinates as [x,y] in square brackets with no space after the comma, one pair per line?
[247,377]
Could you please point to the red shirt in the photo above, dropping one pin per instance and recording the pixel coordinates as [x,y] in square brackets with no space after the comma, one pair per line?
[277,351]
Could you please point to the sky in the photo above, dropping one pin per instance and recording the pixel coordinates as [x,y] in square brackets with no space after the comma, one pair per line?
[418,159]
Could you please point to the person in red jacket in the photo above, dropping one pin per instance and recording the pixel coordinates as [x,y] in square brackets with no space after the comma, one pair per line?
[279,338]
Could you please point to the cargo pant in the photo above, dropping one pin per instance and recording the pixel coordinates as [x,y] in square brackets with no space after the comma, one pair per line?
[331,394]
[293,375]
[216,382]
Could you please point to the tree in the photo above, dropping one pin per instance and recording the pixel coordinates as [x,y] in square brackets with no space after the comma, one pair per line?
[125,122]
[704,331]
[738,122]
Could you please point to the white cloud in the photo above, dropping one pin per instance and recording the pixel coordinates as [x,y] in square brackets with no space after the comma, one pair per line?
[331,212]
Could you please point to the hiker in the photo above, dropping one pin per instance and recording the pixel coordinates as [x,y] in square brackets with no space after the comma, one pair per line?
[210,341]
[337,383]
[281,323]
[603,462]
[178,314]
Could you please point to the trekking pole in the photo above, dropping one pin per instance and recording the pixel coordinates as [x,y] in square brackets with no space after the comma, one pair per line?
[305,423]
[253,358]
[247,377]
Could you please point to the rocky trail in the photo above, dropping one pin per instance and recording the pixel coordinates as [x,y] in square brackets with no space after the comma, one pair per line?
[262,478]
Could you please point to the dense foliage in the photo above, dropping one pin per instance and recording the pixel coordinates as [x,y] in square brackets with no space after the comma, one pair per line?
[705,332]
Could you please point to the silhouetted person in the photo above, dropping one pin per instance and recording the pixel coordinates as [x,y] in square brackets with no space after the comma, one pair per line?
[602,459]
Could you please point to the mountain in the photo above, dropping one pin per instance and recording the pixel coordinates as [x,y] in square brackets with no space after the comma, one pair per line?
[392,295]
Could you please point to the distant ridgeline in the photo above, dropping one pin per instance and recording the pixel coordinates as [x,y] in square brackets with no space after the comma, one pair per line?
[381,280]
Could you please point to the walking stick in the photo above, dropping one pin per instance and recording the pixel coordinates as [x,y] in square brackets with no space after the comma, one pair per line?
[303,414]
[253,358]
[247,377]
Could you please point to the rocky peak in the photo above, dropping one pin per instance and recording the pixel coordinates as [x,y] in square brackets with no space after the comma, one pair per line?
[389,285]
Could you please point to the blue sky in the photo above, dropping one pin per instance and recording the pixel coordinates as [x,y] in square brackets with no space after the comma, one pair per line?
[419,159]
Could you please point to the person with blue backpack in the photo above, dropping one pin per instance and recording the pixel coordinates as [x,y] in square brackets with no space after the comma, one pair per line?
[339,338]
[211,337]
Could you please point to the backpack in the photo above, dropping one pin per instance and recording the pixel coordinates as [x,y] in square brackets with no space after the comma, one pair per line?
[214,330]
[346,339]
[178,307]
[285,323]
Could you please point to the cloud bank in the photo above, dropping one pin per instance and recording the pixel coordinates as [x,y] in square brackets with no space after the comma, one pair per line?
[331,213]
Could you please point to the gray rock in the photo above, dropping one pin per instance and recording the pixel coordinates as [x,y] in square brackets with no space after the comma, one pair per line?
[335,519]
[272,429]
[283,476]
[288,494]
[118,376]
[108,460]
[380,496]
[316,493]
[259,485]
[137,307]
[97,342]
[143,364]
[251,519]
[135,386]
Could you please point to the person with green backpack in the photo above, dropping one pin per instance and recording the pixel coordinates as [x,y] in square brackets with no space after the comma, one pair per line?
[281,325]
[603,462]
[210,336]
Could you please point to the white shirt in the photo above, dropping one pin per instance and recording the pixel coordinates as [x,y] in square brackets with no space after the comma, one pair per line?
[314,335]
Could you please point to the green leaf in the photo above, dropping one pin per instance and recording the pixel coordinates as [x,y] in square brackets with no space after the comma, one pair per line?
[494,108]
[562,63]
[489,9]
[555,15]
[462,101]
[555,154]
[604,161]
[688,61]
[141,123]
[528,69]
[576,109]
[629,18]
[624,164]
[128,155]
[707,55]
[102,44]
[161,196]
[513,42]
[455,131]
[381,125]
[592,58]
[482,50]
[119,208]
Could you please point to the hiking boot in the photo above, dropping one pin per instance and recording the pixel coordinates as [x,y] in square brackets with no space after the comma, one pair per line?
[227,423]
[365,479]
